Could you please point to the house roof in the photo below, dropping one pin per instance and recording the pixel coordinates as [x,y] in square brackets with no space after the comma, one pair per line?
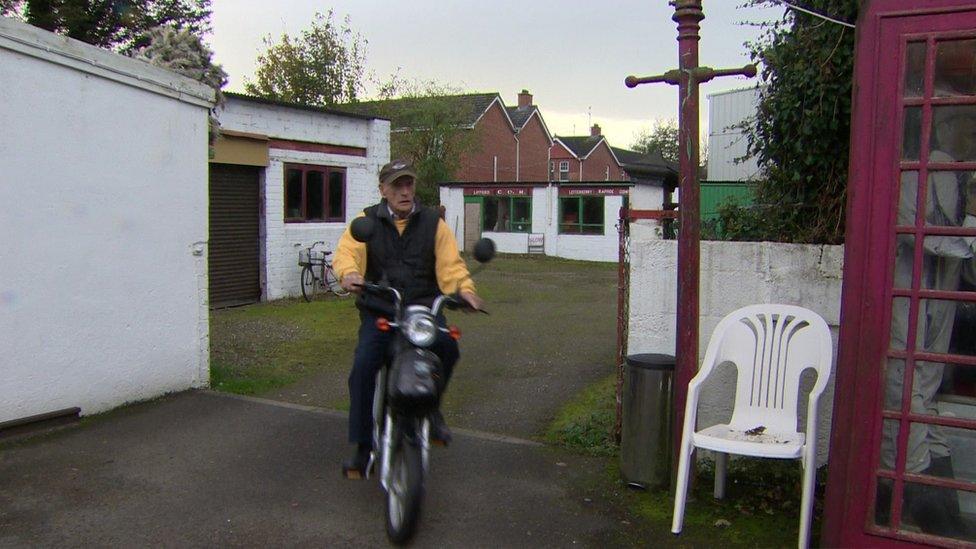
[580,146]
[520,116]
[636,163]
[469,108]
[327,110]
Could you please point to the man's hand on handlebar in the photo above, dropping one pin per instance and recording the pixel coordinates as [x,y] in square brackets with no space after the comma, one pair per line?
[472,300]
[352,282]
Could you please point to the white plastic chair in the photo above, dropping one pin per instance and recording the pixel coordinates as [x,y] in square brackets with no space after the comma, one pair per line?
[770,346]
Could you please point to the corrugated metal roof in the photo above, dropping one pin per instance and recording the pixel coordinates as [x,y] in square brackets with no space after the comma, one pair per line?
[409,113]
[327,110]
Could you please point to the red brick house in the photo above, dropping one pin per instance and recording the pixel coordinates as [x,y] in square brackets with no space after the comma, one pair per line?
[585,158]
[533,140]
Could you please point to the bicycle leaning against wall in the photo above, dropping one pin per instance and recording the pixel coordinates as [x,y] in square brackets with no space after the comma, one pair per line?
[317,272]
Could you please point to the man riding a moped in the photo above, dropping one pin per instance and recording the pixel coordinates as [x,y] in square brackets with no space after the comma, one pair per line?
[415,251]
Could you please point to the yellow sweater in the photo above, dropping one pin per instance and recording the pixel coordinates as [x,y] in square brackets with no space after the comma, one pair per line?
[452,273]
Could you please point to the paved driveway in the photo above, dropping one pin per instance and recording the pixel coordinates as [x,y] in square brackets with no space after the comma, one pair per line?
[205,469]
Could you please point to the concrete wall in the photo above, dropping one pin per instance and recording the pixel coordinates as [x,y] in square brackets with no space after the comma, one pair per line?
[734,274]
[281,241]
[103,212]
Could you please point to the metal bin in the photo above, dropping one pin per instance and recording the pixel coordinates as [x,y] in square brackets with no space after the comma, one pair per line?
[647,416]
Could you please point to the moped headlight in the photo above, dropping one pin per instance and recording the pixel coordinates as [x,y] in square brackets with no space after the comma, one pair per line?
[420,329]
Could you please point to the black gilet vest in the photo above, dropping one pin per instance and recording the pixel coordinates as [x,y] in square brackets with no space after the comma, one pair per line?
[407,261]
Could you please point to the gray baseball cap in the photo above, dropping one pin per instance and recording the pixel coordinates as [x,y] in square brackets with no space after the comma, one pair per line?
[395,170]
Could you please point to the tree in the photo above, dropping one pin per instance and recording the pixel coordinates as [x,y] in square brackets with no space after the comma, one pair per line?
[122,25]
[181,51]
[662,138]
[801,134]
[323,66]
[427,119]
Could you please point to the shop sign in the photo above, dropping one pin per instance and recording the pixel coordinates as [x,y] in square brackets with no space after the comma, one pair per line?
[594,191]
[498,191]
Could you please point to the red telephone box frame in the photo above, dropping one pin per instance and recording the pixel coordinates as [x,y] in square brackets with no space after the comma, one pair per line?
[869,256]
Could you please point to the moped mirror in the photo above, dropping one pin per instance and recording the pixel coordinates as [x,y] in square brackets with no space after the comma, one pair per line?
[484,250]
[362,228]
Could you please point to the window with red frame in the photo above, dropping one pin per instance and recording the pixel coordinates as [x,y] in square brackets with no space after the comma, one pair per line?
[314,193]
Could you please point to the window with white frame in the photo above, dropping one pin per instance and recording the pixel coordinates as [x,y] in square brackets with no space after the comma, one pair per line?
[564,170]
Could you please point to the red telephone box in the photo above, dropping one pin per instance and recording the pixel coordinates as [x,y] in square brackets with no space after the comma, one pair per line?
[903,442]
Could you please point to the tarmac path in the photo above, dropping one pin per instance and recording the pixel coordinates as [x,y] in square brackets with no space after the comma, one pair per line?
[207,469]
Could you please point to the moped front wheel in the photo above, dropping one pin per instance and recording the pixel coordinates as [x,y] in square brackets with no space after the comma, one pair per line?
[405,492]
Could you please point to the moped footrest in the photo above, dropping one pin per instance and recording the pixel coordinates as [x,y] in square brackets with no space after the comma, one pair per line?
[353,473]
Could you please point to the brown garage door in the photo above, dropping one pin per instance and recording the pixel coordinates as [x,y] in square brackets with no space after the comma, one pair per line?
[234,249]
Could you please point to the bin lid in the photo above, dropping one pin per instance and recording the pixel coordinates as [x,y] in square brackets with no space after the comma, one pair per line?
[651,361]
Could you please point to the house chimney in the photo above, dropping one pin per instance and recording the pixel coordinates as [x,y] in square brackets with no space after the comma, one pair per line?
[524,99]
[595,130]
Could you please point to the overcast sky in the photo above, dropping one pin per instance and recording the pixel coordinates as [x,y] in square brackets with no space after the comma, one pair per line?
[572,55]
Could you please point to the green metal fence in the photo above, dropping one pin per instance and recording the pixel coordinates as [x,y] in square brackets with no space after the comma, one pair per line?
[714,193]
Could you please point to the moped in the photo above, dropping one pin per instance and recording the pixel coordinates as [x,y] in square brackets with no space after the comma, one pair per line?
[408,389]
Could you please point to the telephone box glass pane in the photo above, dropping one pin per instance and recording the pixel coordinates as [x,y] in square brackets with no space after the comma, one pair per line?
[904,257]
[947,197]
[907,199]
[936,332]
[953,136]
[912,141]
[915,69]
[955,67]
[936,511]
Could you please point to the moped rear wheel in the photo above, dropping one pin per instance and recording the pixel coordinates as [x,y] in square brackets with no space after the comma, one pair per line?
[405,492]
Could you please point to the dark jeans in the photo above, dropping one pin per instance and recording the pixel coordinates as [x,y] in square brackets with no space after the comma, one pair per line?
[373,349]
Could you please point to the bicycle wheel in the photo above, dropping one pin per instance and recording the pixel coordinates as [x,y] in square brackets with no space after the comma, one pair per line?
[332,283]
[308,283]
[405,493]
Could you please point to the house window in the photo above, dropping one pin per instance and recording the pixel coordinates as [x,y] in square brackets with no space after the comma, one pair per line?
[314,193]
[507,215]
[581,215]
[564,170]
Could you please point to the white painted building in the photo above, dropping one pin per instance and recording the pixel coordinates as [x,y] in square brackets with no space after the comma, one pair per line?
[569,219]
[103,212]
[733,274]
[727,141]
[285,176]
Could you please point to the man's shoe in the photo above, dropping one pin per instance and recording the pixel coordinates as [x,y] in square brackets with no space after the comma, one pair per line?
[439,433]
[357,467]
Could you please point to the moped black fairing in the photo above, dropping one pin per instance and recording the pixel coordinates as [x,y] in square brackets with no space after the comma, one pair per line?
[415,382]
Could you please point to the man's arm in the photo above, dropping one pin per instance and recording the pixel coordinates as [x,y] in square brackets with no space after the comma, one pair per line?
[349,261]
[452,273]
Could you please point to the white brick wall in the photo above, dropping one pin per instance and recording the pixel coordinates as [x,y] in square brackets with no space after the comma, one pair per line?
[733,274]
[281,241]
